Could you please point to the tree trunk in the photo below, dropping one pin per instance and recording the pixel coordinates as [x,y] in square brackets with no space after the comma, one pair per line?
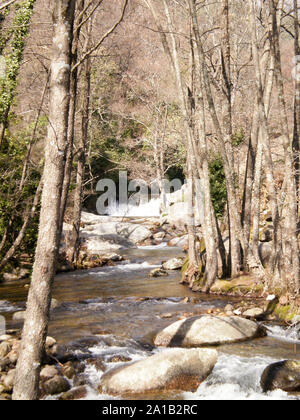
[72,113]
[276,253]
[291,246]
[78,196]
[40,292]
[296,134]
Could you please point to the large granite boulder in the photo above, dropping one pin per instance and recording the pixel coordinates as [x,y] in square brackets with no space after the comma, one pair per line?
[177,369]
[204,331]
[283,375]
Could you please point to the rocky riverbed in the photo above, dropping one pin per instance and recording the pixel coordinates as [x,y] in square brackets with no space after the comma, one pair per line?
[111,324]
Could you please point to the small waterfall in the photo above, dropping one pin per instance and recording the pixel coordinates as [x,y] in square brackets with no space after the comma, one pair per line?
[290,334]
[150,209]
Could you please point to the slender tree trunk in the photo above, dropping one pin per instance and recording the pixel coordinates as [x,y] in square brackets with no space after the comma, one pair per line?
[236,233]
[276,254]
[296,134]
[40,292]
[291,244]
[78,196]
[72,113]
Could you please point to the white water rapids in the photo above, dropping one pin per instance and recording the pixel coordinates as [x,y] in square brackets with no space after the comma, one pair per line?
[150,209]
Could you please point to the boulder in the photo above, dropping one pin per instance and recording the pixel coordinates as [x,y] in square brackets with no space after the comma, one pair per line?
[283,375]
[10,277]
[5,337]
[180,370]
[48,372]
[68,370]
[74,394]
[4,364]
[9,379]
[56,385]
[174,264]
[159,236]
[132,232]
[50,342]
[179,242]
[158,272]
[253,313]
[105,243]
[208,330]
[19,316]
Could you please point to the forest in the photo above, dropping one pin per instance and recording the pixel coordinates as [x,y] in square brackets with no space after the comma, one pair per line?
[150,162]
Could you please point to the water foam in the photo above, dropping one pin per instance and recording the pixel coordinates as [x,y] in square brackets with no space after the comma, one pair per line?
[290,334]
[150,209]
[237,378]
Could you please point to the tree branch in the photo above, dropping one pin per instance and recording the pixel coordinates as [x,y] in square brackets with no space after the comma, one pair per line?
[106,35]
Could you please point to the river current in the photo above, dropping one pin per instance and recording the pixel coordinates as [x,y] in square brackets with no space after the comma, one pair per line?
[122,309]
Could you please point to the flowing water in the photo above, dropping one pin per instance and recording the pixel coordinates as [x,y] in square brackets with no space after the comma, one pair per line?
[118,310]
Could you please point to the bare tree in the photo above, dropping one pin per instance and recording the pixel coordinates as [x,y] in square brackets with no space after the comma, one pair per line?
[39,298]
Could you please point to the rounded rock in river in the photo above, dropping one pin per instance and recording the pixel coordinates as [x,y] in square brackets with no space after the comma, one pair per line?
[178,369]
[201,331]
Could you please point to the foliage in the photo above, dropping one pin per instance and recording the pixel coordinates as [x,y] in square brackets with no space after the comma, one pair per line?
[238,138]
[218,186]
[13,57]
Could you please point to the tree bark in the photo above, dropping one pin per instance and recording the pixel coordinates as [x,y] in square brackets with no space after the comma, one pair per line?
[40,292]
[78,195]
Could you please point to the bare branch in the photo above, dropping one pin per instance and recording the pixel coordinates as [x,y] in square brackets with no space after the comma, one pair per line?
[106,35]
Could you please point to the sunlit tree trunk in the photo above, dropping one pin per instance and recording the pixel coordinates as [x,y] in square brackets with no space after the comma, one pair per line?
[276,254]
[291,245]
[39,298]
[78,195]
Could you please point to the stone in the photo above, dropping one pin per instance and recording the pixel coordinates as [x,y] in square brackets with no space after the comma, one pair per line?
[19,316]
[174,264]
[55,304]
[166,316]
[208,330]
[4,364]
[81,380]
[237,312]
[118,359]
[50,342]
[180,242]
[13,357]
[283,375]
[10,277]
[159,235]
[158,272]
[9,379]
[97,363]
[229,308]
[68,370]
[253,313]
[177,370]
[77,393]
[5,348]
[107,243]
[24,273]
[5,337]
[56,385]
[48,372]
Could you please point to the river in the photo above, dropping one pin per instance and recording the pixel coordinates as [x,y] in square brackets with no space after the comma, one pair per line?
[118,310]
